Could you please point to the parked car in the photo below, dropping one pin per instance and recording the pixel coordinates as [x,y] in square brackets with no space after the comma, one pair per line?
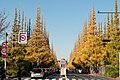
[37,73]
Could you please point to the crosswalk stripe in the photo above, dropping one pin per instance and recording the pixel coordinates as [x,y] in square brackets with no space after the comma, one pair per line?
[62,79]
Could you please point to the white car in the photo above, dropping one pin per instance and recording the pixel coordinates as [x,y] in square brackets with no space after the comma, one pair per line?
[37,73]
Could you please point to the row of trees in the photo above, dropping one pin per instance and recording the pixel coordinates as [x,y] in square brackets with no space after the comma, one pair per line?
[36,52]
[90,50]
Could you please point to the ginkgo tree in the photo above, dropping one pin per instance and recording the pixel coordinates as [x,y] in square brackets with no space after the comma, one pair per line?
[38,50]
[94,52]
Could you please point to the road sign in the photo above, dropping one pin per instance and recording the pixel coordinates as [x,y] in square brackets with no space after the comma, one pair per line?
[3,44]
[3,53]
[22,39]
[4,56]
[4,50]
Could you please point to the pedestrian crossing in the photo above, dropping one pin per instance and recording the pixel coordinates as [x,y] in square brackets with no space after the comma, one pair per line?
[58,79]
[67,79]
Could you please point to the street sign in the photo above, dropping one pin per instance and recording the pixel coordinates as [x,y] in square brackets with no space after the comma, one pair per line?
[4,44]
[22,38]
[3,53]
[4,50]
[4,56]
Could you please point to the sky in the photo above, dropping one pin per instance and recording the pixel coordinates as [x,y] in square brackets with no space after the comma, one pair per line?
[64,18]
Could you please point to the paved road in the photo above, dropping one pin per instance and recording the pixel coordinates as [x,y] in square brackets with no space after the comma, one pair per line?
[70,76]
[74,76]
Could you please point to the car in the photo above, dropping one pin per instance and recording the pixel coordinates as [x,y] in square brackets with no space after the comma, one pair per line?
[37,73]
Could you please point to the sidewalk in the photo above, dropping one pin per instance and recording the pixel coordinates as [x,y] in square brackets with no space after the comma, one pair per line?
[108,78]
